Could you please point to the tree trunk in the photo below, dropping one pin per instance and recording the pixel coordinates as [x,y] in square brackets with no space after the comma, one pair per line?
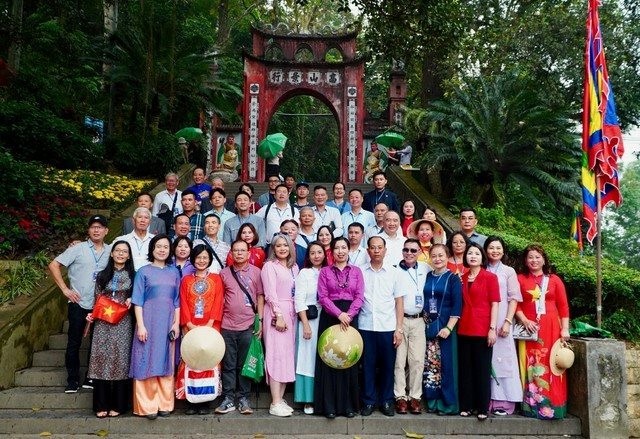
[223,24]
[16,35]
[431,80]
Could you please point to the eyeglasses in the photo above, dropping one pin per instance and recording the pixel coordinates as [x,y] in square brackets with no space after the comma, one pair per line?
[410,250]
[274,181]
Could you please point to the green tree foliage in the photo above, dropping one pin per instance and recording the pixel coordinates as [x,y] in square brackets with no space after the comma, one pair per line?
[496,135]
[621,237]
[311,153]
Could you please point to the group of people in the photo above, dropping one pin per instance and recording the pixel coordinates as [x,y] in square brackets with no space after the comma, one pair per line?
[436,315]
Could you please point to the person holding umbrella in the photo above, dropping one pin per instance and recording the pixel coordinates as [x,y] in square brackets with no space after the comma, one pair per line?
[270,149]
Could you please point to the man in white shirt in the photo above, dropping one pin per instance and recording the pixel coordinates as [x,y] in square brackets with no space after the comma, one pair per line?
[326,216]
[357,253]
[232,225]
[218,199]
[412,276]
[273,214]
[170,197]
[380,323]
[357,213]
[139,238]
[392,234]
[379,211]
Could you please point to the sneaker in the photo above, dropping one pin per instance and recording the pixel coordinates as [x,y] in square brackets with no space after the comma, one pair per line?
[286,406]
[500,412]
[71,388]
[280,410]
[88,384]
[226,406]
[244,406]
[308,409]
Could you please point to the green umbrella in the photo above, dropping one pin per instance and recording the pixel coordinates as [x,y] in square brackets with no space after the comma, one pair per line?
[271,145]
[390,139]
[190,133]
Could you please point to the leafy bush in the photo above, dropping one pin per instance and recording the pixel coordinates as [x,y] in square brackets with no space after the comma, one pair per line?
[23,278]
[155,156]
[32,133]
[620,285]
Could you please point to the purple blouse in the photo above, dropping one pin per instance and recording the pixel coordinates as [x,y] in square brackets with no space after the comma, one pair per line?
[336,284]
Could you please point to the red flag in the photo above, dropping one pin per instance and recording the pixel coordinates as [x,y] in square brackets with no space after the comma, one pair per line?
[109,310]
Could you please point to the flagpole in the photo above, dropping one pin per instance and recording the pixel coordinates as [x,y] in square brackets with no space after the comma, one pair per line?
[598,253]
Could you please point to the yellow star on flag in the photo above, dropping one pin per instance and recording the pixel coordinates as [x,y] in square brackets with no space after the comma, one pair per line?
[108,311]
[535,293]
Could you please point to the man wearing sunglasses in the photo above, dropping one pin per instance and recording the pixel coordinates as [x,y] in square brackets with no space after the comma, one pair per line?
[410,353]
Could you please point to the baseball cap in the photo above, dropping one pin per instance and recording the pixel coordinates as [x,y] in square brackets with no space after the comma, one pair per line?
[302,183]
[98,219]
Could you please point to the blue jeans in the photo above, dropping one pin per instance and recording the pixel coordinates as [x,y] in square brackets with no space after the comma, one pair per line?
[77,320]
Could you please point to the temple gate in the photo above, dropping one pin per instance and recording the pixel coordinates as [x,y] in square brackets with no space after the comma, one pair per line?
[282,65]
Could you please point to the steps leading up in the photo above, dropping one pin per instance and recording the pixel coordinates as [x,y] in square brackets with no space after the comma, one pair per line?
[38,404]
[74,422]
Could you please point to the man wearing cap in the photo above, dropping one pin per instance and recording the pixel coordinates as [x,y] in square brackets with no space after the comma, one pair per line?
[83,261]
[243,299]
[302,195]
[269,197]
[243,216]
[380,323]
[169,198]
[468,222]
[357,214]
[380,194]
[325,215]
[184,147]
[156,225]
[412,276]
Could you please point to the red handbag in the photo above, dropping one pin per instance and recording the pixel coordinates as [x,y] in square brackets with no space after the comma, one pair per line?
[109,310]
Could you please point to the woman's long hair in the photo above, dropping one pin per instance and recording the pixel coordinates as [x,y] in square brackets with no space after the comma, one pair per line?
[105,276]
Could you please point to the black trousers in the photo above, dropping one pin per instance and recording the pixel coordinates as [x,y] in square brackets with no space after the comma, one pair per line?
[237,347]
[77,320]
[111,395]
[474,373]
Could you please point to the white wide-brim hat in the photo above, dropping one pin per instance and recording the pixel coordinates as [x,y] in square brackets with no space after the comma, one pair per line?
[561,357]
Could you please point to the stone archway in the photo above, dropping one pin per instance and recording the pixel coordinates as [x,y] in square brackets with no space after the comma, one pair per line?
[302,67]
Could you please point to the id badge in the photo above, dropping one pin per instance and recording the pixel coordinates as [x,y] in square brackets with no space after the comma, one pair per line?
[199,311]
[95,275]
[419,302]
[433,306]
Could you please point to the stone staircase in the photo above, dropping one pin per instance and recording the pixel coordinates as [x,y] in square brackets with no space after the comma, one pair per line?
[38,404]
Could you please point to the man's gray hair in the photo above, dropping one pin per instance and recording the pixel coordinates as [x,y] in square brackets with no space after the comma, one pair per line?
[141,210]
[171,174]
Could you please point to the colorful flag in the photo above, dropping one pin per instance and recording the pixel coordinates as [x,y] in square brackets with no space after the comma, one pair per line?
[601,135]
[576,229]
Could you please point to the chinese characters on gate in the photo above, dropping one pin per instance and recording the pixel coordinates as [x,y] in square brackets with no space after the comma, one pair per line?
[297,77]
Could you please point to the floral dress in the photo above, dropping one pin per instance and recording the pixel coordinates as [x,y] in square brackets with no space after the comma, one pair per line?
[545,394]
[440,377]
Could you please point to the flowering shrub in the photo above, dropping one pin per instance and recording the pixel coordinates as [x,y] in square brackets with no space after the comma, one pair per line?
[95,189]
[46,208]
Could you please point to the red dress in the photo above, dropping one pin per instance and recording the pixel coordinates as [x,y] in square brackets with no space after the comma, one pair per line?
[545,394]
[256,257]
[405,224]
[458,269]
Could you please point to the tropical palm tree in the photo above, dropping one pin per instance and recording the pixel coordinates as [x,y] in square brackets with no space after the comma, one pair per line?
[497,135]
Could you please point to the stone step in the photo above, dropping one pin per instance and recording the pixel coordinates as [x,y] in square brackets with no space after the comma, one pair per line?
[59,341]
[72,422]
[43,376]
[280,436]
[53,397]
[55,358]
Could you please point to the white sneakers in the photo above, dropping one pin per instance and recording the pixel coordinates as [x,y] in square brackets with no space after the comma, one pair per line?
[281,409]
[308,409]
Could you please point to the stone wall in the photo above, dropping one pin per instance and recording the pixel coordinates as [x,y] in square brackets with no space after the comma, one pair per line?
[633,389]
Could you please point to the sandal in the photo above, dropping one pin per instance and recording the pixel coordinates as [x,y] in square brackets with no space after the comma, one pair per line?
[465,414]
[101,415]
[482,416]
[113,414]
